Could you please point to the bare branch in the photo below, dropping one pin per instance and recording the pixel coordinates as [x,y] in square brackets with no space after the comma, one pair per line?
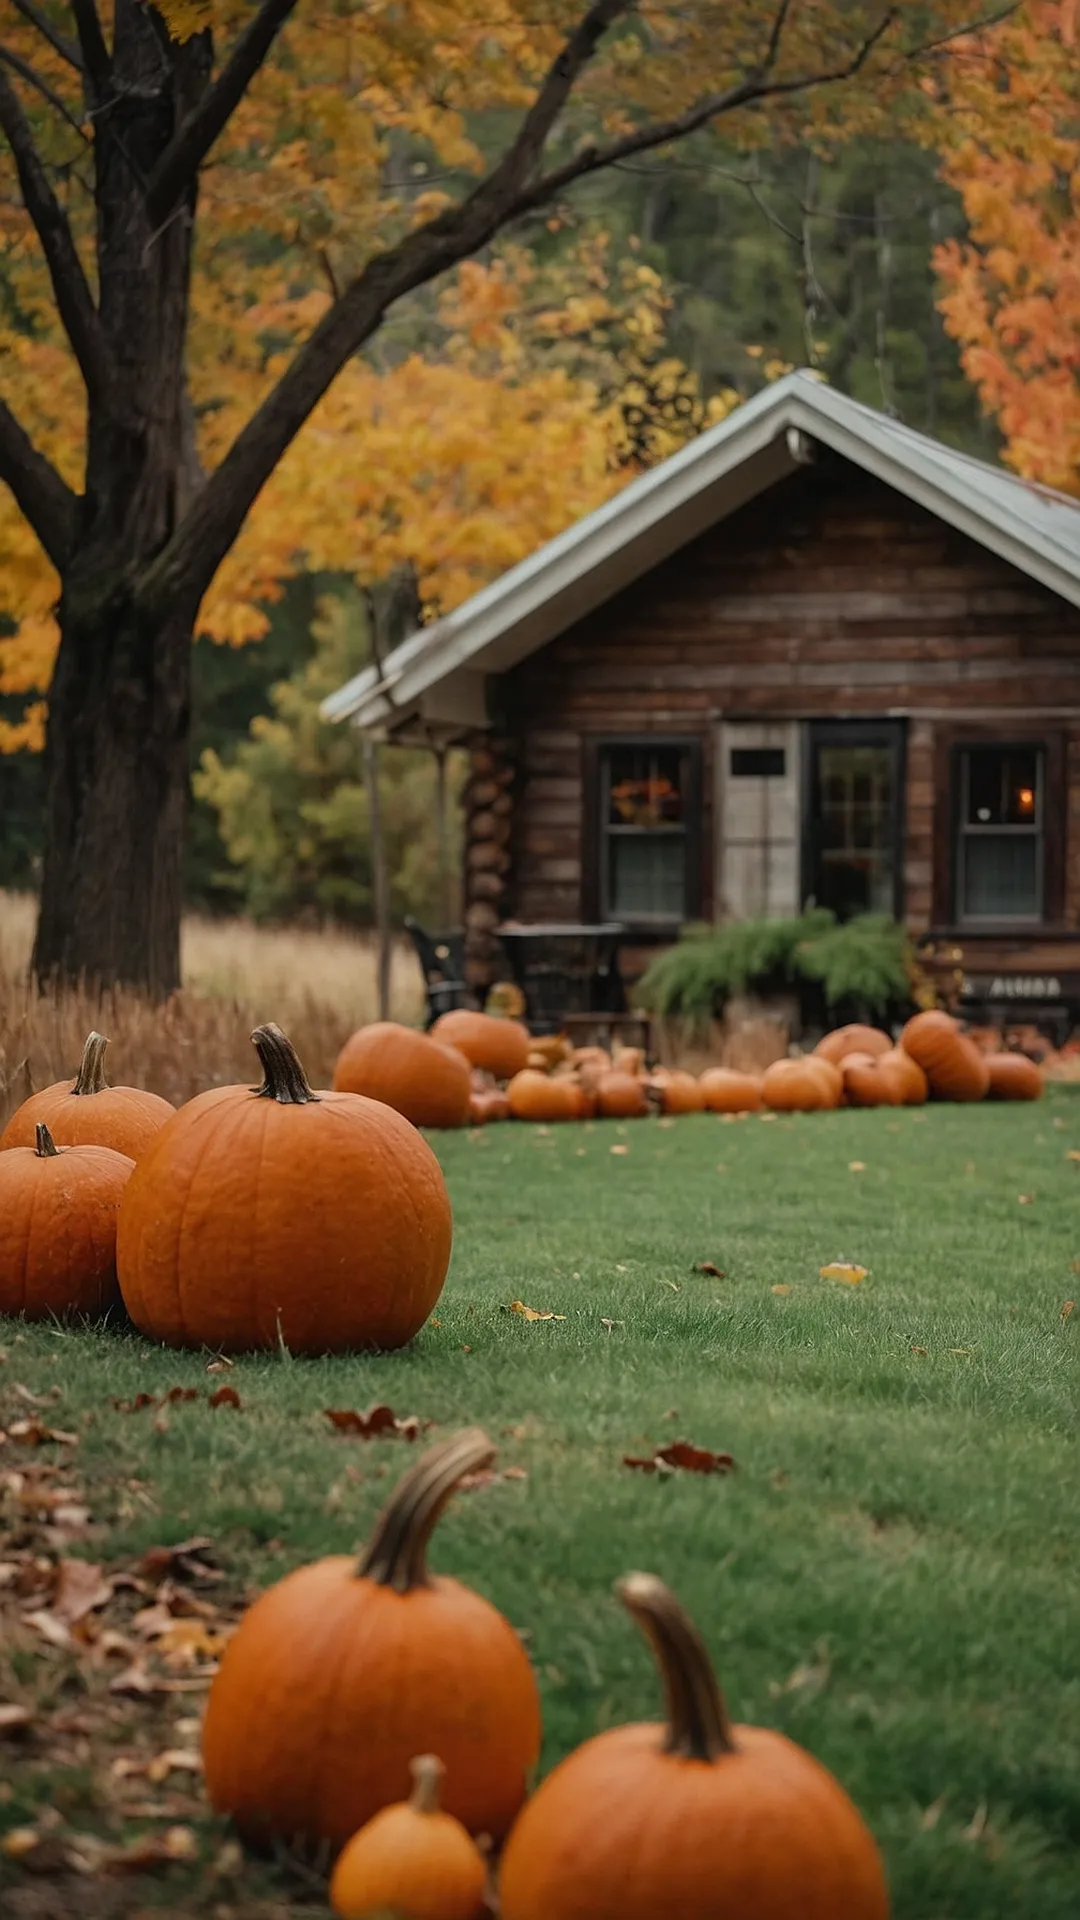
[95,54]
[74,300]
[195,136]
[46,500]
[33,79]
[58,41]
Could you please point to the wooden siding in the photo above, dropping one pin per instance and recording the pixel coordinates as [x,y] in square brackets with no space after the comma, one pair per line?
[829,597]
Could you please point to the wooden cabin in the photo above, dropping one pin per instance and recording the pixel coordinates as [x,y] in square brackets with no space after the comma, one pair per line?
[813,656]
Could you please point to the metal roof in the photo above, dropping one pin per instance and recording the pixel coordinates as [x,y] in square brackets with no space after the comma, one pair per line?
[435,678]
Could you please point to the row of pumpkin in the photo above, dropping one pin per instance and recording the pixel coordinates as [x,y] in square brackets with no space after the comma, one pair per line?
[346,1677]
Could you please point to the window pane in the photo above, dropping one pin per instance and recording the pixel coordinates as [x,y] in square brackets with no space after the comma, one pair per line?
[646,786]
[1002,786]
[647,876]
[854,866]
[1001,876]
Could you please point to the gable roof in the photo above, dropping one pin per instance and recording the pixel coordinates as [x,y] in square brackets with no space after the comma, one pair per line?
[435,677]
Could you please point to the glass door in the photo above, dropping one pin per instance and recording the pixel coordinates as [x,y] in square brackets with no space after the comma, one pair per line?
[852,853]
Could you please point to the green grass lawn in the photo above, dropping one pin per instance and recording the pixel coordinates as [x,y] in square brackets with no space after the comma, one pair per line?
[890,1576]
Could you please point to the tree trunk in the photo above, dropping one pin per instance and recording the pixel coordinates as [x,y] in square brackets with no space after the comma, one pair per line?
[116,798]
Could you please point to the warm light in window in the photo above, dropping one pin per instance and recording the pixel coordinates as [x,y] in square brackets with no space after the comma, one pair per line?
[1025,799]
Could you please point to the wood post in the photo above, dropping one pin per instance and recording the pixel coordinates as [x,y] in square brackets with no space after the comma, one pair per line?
[380,890]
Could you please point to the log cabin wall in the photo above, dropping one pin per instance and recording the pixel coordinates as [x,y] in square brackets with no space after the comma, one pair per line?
[829,597]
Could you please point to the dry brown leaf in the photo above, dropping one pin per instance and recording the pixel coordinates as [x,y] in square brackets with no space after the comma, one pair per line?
[1068,1309]
[225,1397]
[780,1288]
[1025,1199]
[932,1814]
[710,1267]
[810,1676]
[856,1166]
[845,1272]
[532,1313]
[609,1325]
[80,1589]
[679,1456]
[173,1760]
[150,1850]
[140,1401]
[619,1149]
[1073,1153]
[379,1419]
[220,1363]
[52,1630]
[34,1433]
[184,1561]
[14,1719]
[922,1351]
[184,1642]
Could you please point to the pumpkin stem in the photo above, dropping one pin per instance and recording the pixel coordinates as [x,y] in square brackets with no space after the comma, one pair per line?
[428,1774]
[396,1555]
[46,1147]
[284,1079]
[698,1723]
[91,1075]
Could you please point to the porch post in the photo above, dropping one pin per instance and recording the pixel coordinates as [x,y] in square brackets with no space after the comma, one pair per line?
[442,838]
[380,891]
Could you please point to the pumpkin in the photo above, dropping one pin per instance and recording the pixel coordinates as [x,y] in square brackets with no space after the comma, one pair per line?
[910,1075]
[58,1209]
[620,1096]
[1013,1077]
[540,1096]
[676,1091]
[870,1081]
[501,1047]
[698,1819]
[549,1050]
[852,1039]
[725,1091]
[412,1859]
[343,1671]
[952,1064]
[274,1215]
[407,1070]
[800,1085]
[627,1059]
[90,1113]
[487,1103]
[591,1059]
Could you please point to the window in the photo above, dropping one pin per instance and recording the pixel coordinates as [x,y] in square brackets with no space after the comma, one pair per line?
[757,763]
[648,806]
[1000,855]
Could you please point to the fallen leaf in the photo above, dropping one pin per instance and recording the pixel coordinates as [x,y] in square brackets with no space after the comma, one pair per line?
[14,1719]
[225,1397]
[532,1313]
[1073,1153]
[151,1850]
[620,1149]
[856,1166]
[780,1288]
[609,1324]
[377,1420]
[184,1642]
[219,1364]
[1068,1309]
[844,1271]
[642,1465]
[177,1396]
[962,1353]
[173,1760]
[80,1589]
[924,1351]
[515,1473]
[679,1456]
[51,1629]
[1025,1199]
[808,1677]
[34,1433]
[665,1121]
[184,1560]
[140,1401]
[978,1824]
[710,1267]
[932,1814]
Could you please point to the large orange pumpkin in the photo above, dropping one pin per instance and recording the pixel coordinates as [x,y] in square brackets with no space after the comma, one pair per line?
[90,1113]
[540,1096]
[870,1081]
[952,1064]
[621,1096]
[725,1091]
[696,1820]
[852,1039]
[275,1214]
[501,1047]
[909,1073]
[801,1085]
[1014,1077]
[412,1859]
[419,1077]
[342,1672]
[676,1091]
[58,1209]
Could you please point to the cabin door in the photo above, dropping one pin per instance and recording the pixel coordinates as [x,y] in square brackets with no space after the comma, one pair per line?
[758,783]
[852,799]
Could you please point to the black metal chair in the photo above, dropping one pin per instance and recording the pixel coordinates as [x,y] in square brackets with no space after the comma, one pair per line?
[442,962]
[568,974]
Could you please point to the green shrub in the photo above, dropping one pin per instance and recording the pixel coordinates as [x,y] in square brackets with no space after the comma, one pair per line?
[864,960]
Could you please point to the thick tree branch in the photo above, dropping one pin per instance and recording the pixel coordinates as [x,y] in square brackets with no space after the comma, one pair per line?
[33,79]
[74,300]
[95,54]
[196,134]
[58,41]
[42,496]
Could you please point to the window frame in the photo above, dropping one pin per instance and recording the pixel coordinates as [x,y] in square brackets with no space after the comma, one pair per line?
[595,838]
[952,745]
[869,732]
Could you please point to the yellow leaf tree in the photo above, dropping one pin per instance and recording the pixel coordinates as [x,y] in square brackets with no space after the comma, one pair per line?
[207,209]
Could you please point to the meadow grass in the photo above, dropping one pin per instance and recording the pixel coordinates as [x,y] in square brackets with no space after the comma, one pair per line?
[889,1575]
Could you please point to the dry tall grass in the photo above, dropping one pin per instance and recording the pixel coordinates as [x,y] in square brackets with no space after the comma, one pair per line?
[318,986]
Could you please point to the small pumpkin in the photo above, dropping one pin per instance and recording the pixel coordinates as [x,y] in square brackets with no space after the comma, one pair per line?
[621,1096]
[952,1064]
[58,1212]
[533,1095]
[855,1038]
[498,1046]
[1014,1077]
[676,1091]
[412,1859]
[343,1671]
[870,1081]
[487,1103]
[591,1059]
[913,1082]
[90,1113]
[627,1059]
[419,1077]
[726,1091]
[801,1085]
[549,1049]
[275,1214]
[699,1818]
